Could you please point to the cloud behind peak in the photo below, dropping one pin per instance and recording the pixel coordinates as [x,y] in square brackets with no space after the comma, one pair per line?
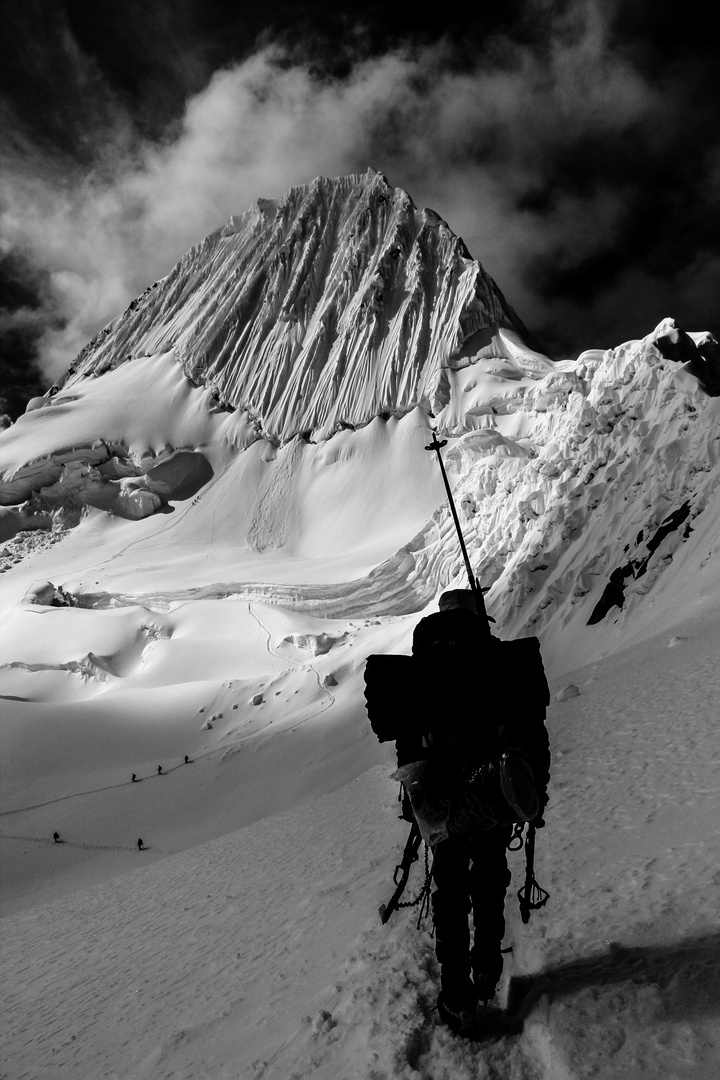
[567,170]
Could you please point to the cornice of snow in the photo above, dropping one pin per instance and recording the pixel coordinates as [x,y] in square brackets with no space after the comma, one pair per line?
[338,303]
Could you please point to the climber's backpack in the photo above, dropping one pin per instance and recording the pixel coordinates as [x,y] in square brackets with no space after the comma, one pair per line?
[391,695]
[487,752]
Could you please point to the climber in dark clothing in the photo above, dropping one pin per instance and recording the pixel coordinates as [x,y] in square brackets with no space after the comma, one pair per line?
[464,713]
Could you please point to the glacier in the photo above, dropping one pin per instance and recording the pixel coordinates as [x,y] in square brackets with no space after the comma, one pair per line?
[226,504]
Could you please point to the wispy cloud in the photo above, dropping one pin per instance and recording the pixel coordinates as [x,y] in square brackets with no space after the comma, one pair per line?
[538,157]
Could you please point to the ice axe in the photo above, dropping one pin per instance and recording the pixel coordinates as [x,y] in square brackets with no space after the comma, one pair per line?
[474,584]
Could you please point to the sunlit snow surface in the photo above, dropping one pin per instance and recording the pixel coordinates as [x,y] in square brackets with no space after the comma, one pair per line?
[231,624]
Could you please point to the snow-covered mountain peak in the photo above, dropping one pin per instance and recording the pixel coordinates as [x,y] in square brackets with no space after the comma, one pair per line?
[339,302]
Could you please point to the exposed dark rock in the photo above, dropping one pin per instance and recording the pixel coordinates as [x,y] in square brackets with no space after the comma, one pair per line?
[614,592]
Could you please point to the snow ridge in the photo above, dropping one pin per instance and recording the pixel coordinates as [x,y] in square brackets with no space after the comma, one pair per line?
[610,466]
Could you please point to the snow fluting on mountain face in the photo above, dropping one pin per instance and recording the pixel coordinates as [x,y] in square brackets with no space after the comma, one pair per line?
[317,312]
[227,504]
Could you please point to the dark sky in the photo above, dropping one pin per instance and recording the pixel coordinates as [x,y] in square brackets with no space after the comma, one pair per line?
[573,145]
